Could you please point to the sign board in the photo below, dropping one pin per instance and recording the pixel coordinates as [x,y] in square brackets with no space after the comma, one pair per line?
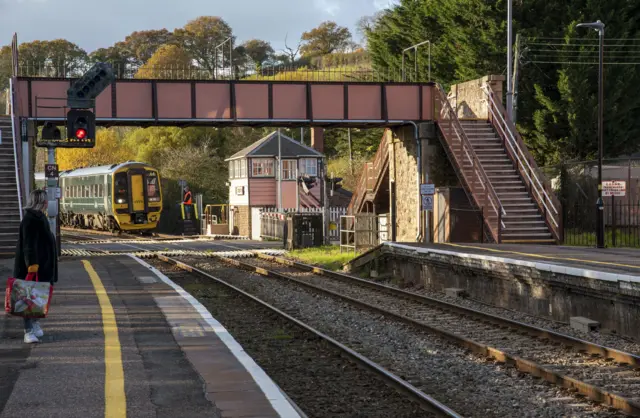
[239,190]
[427,189]
[51,171]
[182,183]
[427,202]
[614,188]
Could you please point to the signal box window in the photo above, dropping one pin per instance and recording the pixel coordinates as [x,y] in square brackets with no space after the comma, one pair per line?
[289,169]
[309,167]
[262,167]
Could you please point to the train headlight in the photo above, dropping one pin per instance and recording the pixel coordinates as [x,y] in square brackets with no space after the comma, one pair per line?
[120,201]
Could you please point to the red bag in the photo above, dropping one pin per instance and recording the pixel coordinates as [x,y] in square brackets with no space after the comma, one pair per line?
[28,298]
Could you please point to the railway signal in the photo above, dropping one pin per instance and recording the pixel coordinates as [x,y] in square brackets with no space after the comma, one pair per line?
[84,91]
[51,132]
[81,127]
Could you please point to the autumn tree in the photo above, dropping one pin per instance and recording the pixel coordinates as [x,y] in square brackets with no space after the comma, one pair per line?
[199,39]
[33,57]
[325,39]
[143,44]
[168,62]
[117,55]
[5,66]
[258,51]
[110,148]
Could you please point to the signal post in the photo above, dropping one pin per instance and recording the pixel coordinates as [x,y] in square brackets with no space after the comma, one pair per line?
[80,131]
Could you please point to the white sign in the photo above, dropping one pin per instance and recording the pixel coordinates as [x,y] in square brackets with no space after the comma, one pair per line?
[614,188]
[427,202]
[427,189]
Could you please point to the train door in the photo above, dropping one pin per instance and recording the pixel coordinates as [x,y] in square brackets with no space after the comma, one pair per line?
[137,196]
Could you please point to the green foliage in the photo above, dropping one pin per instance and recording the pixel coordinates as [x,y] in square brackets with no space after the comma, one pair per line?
[168,62]
[258,51]
[200,36]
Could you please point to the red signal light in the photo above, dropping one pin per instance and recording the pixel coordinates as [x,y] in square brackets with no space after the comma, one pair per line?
[81,133]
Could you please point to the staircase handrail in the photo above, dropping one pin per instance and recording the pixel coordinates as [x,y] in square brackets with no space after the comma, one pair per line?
[525,162]
[475,163]
[15,145]
[371,171]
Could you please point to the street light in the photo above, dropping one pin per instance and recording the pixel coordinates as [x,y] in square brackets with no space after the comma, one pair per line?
[509,58]
[415,49]
[599,26]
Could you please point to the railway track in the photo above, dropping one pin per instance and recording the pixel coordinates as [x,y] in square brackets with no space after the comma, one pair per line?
[603,374]
[425,401]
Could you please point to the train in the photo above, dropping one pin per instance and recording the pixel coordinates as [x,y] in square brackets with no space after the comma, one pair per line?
[118,197]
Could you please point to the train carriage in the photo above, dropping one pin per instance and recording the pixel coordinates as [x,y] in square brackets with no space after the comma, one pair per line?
[115,197]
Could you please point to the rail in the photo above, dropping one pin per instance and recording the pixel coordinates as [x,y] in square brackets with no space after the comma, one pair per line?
[548,204]
[413,393]
[469,167]
[15,146]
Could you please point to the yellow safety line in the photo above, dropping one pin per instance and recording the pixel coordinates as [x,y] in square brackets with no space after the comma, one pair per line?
[115,401]
[546,256]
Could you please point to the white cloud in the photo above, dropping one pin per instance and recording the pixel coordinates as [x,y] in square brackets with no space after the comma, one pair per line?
[384,4]
[331,7]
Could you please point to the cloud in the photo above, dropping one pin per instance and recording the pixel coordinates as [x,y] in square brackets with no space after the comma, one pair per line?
[331,7]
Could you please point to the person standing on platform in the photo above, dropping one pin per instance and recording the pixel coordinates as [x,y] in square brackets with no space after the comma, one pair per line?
[187,201]
[36,253]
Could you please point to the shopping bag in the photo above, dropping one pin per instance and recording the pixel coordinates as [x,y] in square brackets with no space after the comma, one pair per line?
[28,298]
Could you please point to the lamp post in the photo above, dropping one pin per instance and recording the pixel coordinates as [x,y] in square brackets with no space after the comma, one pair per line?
[599,26]
[415,49]
[509,58]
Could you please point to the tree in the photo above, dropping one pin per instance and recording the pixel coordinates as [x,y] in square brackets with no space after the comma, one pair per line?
[5,66]
[110,148]
[168,62]
[258,51]
[199,39]
[117,55]
[325,39]
[66,58]
[33,57]
[143,44]
[289,54]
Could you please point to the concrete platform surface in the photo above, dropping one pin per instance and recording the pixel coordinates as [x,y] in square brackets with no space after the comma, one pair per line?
[615,261]
[123,340]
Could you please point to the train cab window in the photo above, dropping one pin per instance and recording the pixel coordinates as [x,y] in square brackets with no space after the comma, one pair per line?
[153,188]
[120,188]
[100,190]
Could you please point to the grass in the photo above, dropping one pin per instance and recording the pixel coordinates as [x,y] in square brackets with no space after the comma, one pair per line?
[328,257]
[624,238]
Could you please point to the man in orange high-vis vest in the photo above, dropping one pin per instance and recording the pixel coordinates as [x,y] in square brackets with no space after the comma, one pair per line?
[187,201]
[187,196]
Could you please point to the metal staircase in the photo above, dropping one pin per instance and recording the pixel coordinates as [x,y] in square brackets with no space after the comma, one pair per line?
[371,179]
[499,174]
[10,207]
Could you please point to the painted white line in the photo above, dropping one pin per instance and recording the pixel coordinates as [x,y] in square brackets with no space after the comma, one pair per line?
[553,268]
[269,388]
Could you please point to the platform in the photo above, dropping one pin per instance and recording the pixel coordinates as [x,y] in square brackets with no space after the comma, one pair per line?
[121,337]
[550,281]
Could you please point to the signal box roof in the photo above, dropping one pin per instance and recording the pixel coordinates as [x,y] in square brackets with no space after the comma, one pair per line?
[267,147]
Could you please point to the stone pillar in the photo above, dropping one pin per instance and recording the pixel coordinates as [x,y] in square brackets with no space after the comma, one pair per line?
[468,99]
[317,139]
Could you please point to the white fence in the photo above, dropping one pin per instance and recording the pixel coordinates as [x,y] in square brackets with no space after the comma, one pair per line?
[334,219]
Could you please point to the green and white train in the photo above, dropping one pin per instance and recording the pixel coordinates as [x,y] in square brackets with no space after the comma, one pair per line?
[124,197]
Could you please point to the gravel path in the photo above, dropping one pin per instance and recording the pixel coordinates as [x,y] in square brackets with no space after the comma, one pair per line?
[462,381]
[312,373]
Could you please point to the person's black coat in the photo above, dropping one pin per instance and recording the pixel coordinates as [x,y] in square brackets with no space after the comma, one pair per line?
[36,245]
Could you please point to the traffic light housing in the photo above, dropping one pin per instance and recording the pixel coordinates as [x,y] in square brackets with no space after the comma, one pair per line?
[51,132]
[81,127]
[308,183]
[82,93]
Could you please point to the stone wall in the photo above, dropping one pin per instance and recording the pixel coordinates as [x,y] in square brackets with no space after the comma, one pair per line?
[615,304]
[403,171]
[242,221]
[468,98]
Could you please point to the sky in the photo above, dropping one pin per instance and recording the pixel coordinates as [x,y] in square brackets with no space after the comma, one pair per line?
[94,24]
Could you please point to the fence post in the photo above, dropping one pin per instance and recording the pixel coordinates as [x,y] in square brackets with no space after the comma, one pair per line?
[499,225]
[613,221]
[482,225]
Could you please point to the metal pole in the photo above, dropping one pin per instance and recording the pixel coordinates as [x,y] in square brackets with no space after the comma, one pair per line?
[52,184]
[350,151]
[404,77]
[509,59]
[516,74]
[429,61]
[302,136]
[600,138]
[279,173]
